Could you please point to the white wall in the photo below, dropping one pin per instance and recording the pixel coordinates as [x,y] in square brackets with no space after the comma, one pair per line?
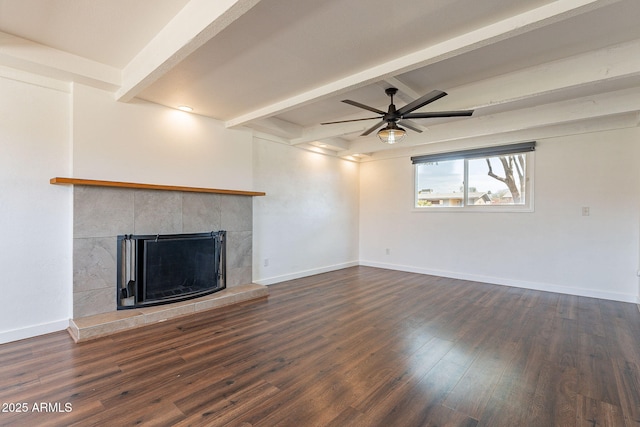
[308,221]
[49,129]
[35,216]
[147,143]
[554,248]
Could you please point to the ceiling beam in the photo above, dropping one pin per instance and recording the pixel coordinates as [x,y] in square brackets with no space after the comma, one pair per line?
[614,122]
[329,144]
[564,79]
[25,55]
[277,127]
[405,92]
[197,23]
[534,19]
[590,108]
[320,132]
[598,71]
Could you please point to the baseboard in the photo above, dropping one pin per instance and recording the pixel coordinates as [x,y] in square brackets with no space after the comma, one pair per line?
[61,325]
[546,287]
[32,331]
[305,273]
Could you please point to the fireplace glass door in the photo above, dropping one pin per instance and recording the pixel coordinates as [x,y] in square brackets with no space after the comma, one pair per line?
[166,268]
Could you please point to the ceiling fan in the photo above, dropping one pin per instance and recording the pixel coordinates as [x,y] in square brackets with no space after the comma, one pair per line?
[392,133]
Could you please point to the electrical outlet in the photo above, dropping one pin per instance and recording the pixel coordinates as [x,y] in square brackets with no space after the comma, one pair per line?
[585,211]
[266,262]
[387,251]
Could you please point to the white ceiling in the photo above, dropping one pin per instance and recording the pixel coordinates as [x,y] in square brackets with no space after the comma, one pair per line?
[529,68]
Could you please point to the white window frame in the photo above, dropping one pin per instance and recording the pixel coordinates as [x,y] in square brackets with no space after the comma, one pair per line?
[467,155]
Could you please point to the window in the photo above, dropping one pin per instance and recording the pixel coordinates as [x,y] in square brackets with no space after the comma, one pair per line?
[485,179]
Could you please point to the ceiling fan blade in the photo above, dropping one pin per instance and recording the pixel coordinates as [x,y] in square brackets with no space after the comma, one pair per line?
[422,101]
[409,125]
[372,128]
[459,113]
[347,121]
[366,107]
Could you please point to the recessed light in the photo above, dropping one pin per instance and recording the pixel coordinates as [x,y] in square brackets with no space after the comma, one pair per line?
[185,108]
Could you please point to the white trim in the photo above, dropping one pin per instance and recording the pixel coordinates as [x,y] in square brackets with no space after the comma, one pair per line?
[305,273]
[475,209]
[32,331]
[545,287]
[537,286]
[48,62]
[34,79]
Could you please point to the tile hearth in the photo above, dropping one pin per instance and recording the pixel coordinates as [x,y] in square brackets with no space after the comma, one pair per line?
[100,325]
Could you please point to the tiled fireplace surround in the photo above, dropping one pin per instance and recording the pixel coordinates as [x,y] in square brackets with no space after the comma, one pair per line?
[100,214]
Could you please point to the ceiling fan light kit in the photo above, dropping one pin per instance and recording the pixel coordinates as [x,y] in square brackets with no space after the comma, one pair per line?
[392,133]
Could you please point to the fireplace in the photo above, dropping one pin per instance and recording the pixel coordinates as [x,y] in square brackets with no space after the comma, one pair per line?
[101,214]
[160,269]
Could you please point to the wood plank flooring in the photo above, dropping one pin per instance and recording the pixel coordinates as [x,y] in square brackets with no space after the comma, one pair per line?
[355,347]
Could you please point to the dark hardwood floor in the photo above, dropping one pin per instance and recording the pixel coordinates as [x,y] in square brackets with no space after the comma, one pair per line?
[356,347]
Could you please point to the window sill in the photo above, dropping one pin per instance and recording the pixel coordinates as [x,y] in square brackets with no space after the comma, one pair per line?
[476,209]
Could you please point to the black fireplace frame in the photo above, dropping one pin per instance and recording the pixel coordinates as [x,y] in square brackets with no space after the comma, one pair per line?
[131,277]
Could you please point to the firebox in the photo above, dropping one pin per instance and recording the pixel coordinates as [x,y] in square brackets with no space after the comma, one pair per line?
[160,269]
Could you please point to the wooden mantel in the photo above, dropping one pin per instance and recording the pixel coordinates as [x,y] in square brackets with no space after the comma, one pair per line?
[133,185]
